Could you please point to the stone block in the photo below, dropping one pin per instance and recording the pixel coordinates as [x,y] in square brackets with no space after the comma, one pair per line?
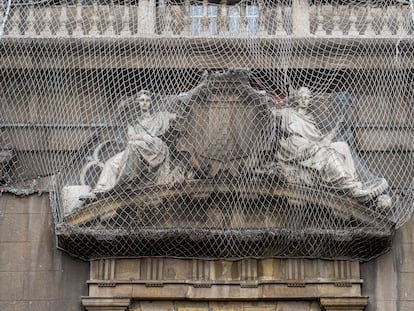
[32,204]
[125,269]
[315,306]
[106,303]
[11,286]
[175,269]
[68,283]
[406,232]
[29,138]
[74,274]
[191,306]
[155,306]
[224,270]
[8,306]
[165,292]
[226,306]
[293,306]
[34,305]
[406,258]
[34,274]
[405,305]
[12,228]
[28,161]
[42,285]
[383,140]
[25,227]
[406,291]
[399,175]
[373,109]
[341,303]
[121,290]
[376,304]
[259,306]
[27,256]
[380,282]
[267,269]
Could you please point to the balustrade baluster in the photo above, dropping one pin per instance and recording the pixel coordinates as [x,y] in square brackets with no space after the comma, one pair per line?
[168,20]
[126,20]
[186,29]
[13,27]
[205,21]
[78,20]
[319,31]
[243,19]
[410,22]
[300,18]
[94,31]
[146,17]
[369,30]
[110,29]
[336,20]
[46,21]
[287,15]
[234,20]
[213,12]
[353,31]
[280,23]
[386,22]
[223,19]
[400,22]
[262,19]
[62,30]
[30,22]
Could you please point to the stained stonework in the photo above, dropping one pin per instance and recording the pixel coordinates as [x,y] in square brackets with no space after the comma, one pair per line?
[34,275]
[248,284]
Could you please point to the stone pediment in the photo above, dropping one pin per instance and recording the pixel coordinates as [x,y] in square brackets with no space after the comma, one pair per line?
[230,193]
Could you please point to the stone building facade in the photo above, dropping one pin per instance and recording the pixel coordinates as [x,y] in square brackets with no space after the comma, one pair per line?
[34,275]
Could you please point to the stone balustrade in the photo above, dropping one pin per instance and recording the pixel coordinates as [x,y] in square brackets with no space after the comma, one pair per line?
[151,18]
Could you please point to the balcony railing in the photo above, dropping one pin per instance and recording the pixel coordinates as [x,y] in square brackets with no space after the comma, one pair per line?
[148,18]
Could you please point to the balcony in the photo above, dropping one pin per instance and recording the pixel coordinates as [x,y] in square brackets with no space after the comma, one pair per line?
[261,19]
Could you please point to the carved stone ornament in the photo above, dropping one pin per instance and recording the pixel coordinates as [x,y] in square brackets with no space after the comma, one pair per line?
[226,132]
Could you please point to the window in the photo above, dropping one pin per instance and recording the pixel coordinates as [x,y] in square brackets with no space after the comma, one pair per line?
[252,15]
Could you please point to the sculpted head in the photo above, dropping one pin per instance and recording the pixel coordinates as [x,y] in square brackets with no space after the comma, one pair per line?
[304,96]
[144,100]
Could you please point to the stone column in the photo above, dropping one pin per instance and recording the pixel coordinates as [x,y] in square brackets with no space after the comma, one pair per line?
[106,304]
[146,17]
[300,18]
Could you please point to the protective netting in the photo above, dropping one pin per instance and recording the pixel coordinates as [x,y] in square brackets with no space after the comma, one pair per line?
[212,129]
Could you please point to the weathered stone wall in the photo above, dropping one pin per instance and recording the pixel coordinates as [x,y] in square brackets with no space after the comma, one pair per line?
[389,279]
[34,275]
[225,306]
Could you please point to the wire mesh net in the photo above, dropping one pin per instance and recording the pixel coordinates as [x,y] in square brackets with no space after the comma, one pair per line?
[212,129]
